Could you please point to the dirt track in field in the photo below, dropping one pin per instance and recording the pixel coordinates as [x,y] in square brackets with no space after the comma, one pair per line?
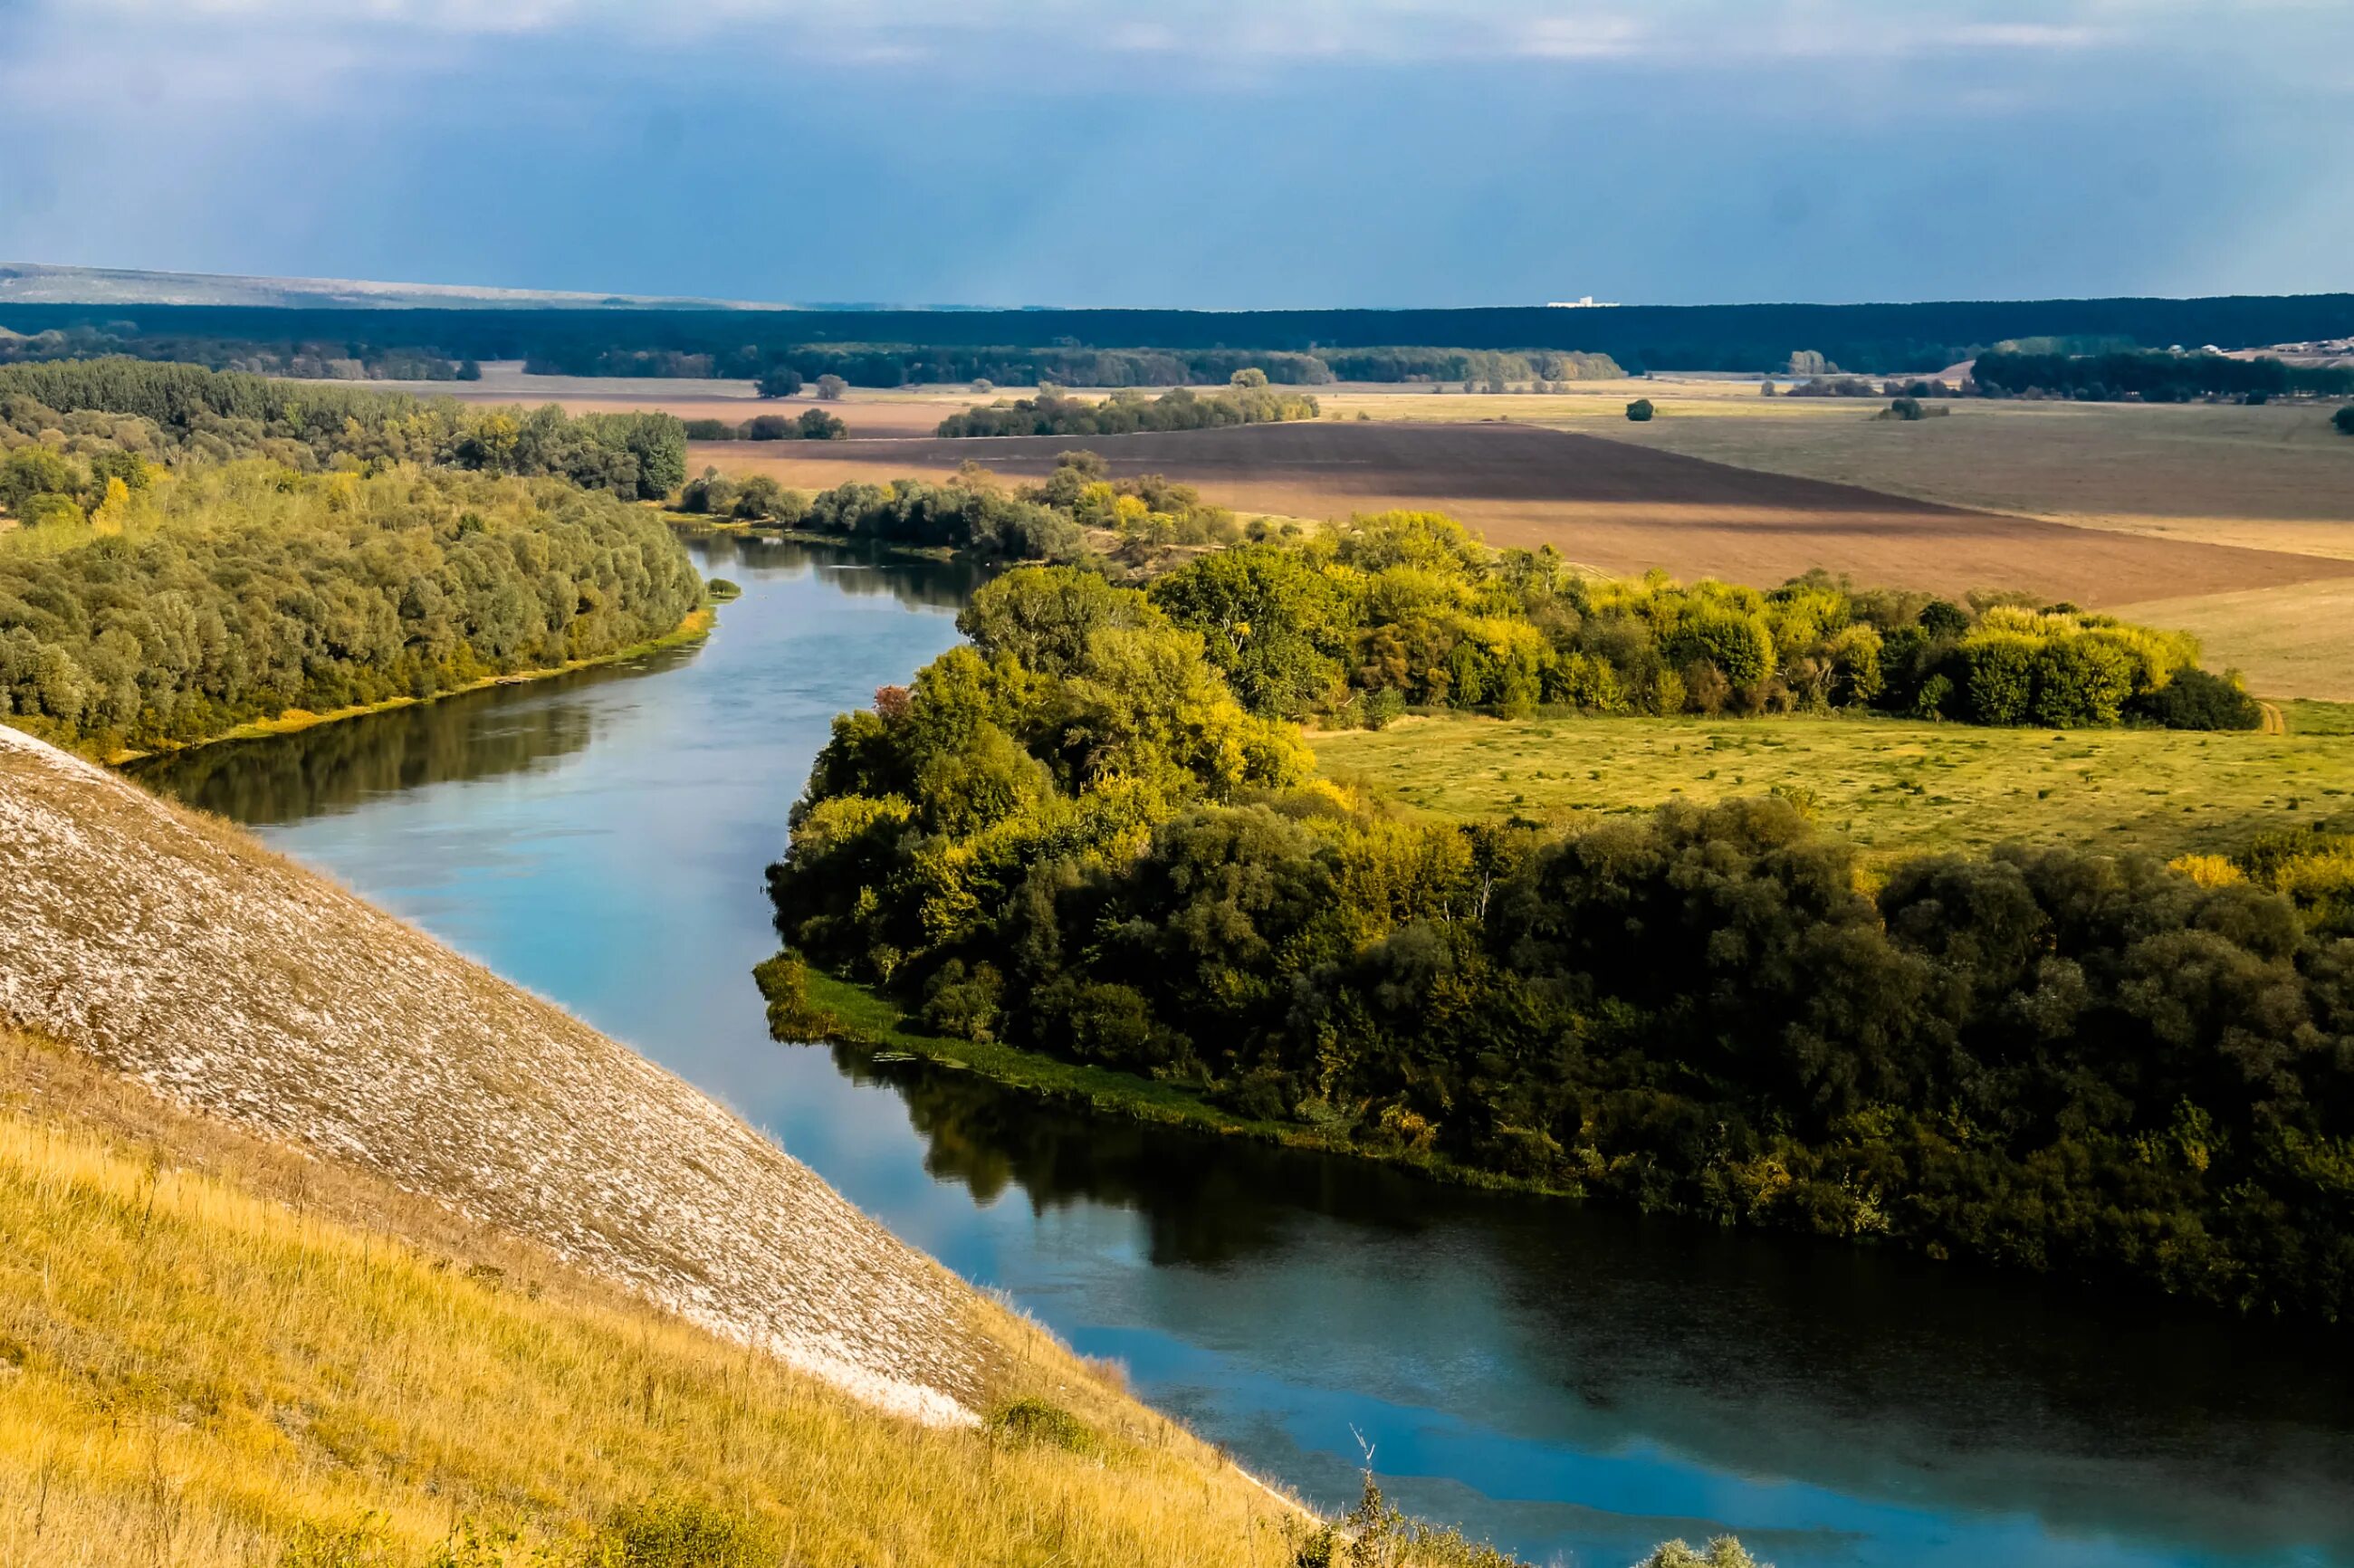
[1606,504]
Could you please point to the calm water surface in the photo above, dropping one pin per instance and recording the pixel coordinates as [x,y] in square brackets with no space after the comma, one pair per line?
[1571,1383]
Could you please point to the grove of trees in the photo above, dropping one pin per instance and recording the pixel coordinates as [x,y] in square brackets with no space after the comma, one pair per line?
[236,591]
[196,549]
[174,411]
[2152,377]
[1400,609]
[1050,413]
[1086,833]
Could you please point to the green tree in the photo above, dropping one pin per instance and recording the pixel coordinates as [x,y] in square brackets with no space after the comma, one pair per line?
[1264,614]
[829,387]
[1640,410]
[779,381]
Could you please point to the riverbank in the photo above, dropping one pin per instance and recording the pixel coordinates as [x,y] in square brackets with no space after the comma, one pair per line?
[693,629]
[830,1011]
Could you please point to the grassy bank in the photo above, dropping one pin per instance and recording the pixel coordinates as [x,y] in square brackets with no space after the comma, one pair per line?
[1894,787]
[842,1011]
[214,1352]
[693,629]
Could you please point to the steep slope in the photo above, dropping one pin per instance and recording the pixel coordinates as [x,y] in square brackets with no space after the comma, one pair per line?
[218,1353]
[172,949]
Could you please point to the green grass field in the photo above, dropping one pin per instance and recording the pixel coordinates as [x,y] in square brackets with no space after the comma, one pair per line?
[1896,787]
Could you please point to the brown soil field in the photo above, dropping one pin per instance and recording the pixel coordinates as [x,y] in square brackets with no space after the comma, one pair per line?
[1607,504]
[2275,477]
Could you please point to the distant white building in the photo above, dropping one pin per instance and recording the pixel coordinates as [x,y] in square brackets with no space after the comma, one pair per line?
[1583,302]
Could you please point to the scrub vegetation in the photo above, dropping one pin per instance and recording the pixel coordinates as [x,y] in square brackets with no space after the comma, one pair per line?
[1079,835]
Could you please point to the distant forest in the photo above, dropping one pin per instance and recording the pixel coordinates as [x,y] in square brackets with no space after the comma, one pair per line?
[1129,347]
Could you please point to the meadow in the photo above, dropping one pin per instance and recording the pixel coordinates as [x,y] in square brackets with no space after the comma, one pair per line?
[1894,787]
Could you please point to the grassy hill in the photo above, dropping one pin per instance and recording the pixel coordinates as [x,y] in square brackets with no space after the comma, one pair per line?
[215,1351]
[328,1248]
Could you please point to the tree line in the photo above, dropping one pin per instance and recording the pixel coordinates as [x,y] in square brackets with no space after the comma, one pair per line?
[1878,339]
[2154,376]
[1061,518]
[1074,834]
[809,425]
[338,360]
[1127,411]
[1365,619]
[175,411]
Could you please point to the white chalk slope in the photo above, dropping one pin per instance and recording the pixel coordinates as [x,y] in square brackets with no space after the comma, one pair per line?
[177,950]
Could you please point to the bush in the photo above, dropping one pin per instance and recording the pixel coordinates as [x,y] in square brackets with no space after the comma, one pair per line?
[816,425]
[710,430]
[2344,420]
[831,387]
[720,589]
[1034,1423]
[2197,700]
[1640,410]
[779,381]
[681,1532]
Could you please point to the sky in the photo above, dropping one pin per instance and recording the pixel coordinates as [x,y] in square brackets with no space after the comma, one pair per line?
[1198,154]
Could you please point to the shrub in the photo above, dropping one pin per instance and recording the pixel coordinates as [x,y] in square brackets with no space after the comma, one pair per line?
[681,1532]
[779,381]
[1034,1423]
[1640,410]
[720,589]
[2197,700]
[816,425]
[2344,420]
[784,981]
[710,430]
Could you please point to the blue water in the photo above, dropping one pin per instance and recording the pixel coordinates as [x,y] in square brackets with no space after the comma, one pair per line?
[1573,1385]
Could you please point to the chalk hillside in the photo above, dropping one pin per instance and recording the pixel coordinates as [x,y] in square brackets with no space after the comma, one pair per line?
[172,949]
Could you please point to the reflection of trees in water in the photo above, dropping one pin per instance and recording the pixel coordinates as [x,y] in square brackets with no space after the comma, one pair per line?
[1878,1374]
[916,583]
[333,766]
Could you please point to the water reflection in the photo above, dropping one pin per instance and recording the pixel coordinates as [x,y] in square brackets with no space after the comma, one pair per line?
[1870,1374]
[917,582]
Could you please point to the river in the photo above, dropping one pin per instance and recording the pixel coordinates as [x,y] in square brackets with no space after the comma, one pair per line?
[1572,1383]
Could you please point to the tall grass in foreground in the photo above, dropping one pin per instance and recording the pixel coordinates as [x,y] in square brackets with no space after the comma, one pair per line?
[197,1371]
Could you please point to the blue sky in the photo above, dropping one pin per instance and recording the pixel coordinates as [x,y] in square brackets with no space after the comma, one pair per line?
[1211,155]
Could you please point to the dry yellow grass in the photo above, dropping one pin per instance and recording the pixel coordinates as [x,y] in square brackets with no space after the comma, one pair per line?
[210,1345]
[2293,642]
